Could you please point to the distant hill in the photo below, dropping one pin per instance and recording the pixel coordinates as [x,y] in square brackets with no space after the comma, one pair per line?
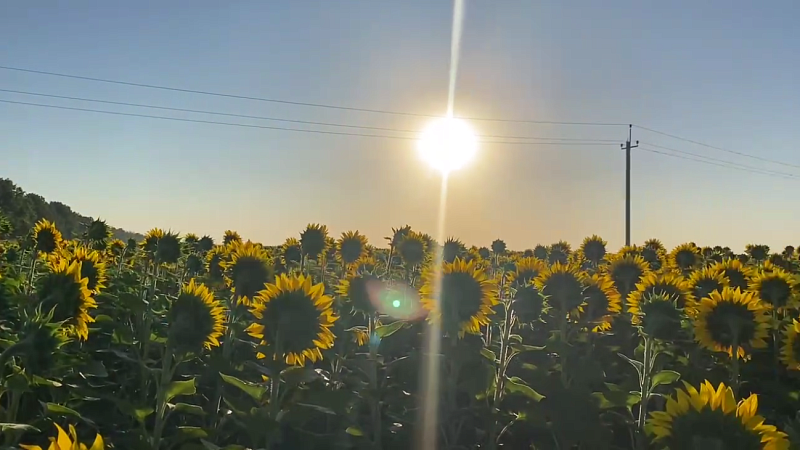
[24,209]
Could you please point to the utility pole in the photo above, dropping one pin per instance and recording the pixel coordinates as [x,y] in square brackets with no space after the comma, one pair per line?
[628,148]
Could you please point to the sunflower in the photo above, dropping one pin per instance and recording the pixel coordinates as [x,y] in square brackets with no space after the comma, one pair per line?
[528,303]
[215,262]
[67,294]
[594,248]
[732,321]
[668,284]
[360,336]
[351,246]
[196,319]
[97,231]
[602,302]
[116,247]
[562,286]
[704,281]
[68,442]
[757,251]
[312,240]
[44,339]
[46,237]
[467,297]
[247,270]
[365,264]
[295,318]
[526,270]
[790,350]
[291,252]
[711,418]
[205,243]
[412,249]
[559,253]
[630,250]
[93,267]
[626,271]
[484,253]
[398,235]
[541,252]
[150,242]
[736,272]
[684,257]
[358,288]
[231,237]
[775,288]
[655,244]
[191,241]
[452,249]
[499,247]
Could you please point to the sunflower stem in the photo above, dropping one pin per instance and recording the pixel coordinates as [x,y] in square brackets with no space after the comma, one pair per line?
[161,402]
[502,366]
[645,390]
[32,272]
[377,439]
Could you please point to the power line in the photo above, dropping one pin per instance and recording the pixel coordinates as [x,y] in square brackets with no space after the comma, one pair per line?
[288,102]
[298,130]
[276,119]
[744,166]
[746,155]
[727,166]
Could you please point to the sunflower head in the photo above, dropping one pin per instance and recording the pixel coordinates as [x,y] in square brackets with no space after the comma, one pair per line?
[365,264]
[215,261]
[205,243]
[191,241]
[685,257]
[526,270]
[116,247]
[350,247]
[44,339]
[466,297]
[93,266]
[397,235]
[737,273]
[655,244]
[758,252]
[360,289]
[452,249]
[46,237]
[231,237]
[150,242]
[668,284]
[196,319]
[291,252]
[775,288]
[67,294]
[194,264]
[594,248]
[98,231]
[499,247]
[312,240]
[484,253]
[541,252]
[790,350]
[247,270]
[294,318]
[712,419]
[732,321]
[68,441]
[704,281]
[412,249]
[602,302]
[529,305]
[626,271]
[559,253]
[562,286]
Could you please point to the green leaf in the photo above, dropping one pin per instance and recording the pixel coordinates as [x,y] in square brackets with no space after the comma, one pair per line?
[520,348]
[103,318]
[187,409]
[515,385]
[39,381]
[94,368]
[321,409]
[18,383]
[61,410]
[638,365]
[296,375]
[253,390]
[664,377]
[353,431]
[177,388]
[191,432]
[385,331]
[18,426]
[141,413]
[488,354]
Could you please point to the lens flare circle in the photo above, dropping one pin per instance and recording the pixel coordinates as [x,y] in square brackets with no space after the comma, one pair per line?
[447,144]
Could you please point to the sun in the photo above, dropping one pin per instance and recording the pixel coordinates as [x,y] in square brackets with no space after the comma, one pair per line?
[448,144]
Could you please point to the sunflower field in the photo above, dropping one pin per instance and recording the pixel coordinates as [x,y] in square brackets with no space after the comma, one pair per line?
[178,342]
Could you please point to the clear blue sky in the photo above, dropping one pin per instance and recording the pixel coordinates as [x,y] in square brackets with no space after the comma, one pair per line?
[722,72]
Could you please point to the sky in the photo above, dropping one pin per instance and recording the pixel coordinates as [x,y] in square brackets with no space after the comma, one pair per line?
[719,72]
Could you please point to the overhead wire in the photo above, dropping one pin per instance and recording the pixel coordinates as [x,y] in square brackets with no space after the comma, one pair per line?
[724,164]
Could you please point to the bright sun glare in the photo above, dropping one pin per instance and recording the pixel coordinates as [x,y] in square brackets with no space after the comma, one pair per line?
[447,144]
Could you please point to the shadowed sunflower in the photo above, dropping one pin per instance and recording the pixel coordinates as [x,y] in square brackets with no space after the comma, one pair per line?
[630,250]
[291,252]
[294,318]
[499,247]
[452,249]
[67,294]
[162,247]
[466,300]
[712,419]
[671,285]
[562,286]
[626,271]
[529,304]
[594,248]
[541,252]
[46,237]
[790,350]
[93,266]
[484,253]
[116,247]
[359,289]
[350,247]
[231,237]
[757,251]
[704,281]
[365,264]
[205,244]
[196,319]
[526,271]
[68,442]
[736,272]
[412,249]
[732,321]
[150,242]
[191,241]
[97,231]
[215,260]
[247,270]
[312,240]
[685,257]
[559,253]
[655,244]
[775,288]
[602,302]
